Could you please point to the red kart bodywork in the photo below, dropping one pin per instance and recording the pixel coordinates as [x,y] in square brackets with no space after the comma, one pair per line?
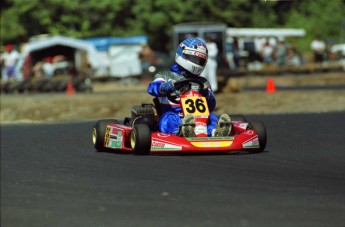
[117,137]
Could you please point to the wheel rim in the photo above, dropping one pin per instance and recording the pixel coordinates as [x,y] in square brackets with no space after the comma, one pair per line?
[94,136]
[133,138]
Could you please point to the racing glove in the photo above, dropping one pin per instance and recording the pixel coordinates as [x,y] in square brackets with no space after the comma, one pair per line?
[167,88]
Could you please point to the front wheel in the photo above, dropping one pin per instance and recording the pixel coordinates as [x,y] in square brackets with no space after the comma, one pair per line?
[98,133]
[261,131]
[141,139]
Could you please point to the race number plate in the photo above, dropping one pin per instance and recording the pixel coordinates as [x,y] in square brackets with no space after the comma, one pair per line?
[196,106]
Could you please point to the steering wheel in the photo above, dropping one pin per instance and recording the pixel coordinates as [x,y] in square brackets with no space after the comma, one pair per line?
[179,84]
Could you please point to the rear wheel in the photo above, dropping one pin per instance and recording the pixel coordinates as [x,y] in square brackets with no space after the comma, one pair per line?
[98,133]
[261,131]
[141,139]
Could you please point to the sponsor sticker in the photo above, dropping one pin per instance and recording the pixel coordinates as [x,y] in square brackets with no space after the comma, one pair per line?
[195,53]
[243,125]
[163,135]
[200,127]
[249,132]
[157,145]
[251,143]
[114,140]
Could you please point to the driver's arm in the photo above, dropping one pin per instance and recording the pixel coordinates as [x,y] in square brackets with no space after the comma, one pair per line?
[211,100]
[208,94]
[161,86]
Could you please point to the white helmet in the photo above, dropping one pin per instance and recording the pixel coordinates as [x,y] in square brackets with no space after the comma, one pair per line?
[192,55]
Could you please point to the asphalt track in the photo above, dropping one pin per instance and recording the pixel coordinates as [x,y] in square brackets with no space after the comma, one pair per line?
[51,176]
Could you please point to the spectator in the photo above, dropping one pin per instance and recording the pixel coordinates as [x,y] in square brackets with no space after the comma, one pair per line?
[48,68]
[267,52]
[236,51]
[318,47]
[146,56]
[210,71]
[273,42]
[259,43]
[293,57]
[61,65]
[10,58]
[233,55]
[281,52]
[38,69]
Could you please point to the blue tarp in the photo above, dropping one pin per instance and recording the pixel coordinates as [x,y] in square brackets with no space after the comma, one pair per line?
[103,43]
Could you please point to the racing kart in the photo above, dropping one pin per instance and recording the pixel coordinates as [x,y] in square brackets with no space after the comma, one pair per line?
[138,134]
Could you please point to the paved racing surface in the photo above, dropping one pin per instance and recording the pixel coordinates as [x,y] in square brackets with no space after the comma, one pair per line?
[51,176]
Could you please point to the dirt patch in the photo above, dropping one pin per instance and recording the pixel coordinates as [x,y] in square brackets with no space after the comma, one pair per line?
[111,99]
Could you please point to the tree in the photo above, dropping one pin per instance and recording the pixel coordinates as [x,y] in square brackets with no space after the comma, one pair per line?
[22,19]
[322,17]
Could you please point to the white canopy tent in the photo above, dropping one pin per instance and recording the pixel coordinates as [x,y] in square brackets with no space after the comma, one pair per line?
[47,42]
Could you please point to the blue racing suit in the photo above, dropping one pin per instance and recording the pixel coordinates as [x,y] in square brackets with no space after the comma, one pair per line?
[170,108]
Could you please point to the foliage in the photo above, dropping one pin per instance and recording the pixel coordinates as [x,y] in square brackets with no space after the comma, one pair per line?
[22,19]
[324,18]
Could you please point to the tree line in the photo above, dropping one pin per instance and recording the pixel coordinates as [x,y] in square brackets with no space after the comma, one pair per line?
[22,19]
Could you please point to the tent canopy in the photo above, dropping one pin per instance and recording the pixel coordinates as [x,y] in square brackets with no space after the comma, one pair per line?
[103,43]
[265,32]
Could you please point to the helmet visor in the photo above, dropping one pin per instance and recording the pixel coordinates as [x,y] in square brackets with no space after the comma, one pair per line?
[196,59]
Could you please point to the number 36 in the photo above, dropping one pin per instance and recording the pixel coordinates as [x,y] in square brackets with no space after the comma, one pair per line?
[197,105]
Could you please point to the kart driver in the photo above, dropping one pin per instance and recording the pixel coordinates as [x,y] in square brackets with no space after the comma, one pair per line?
[190,60]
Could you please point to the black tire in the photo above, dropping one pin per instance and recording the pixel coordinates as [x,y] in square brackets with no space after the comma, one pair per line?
[235,117]
[40,85]
[98,133]
[12,86]
[48,87]
[141,139]
[61,86]
[23,86]
[262,135]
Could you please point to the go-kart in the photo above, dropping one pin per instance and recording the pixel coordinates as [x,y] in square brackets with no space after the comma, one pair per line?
[139,133]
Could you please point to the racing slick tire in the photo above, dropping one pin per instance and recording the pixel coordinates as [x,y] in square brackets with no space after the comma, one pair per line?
[141,139]
[262,135]
[234,117]
[98,134]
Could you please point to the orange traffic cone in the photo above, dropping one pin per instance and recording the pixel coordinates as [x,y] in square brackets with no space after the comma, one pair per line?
[271,88]
[70,89]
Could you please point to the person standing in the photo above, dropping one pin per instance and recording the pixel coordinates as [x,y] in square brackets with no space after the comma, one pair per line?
[267,52]
[210,71]
[318,47]
[10,58]
[146,56]
[48,68]
[281,52]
